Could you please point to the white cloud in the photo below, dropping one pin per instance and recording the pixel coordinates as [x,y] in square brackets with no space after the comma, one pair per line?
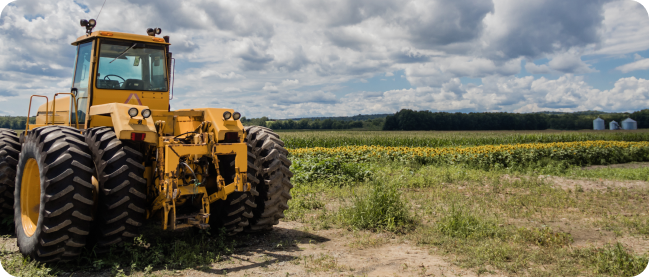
[570,63]
[270,87]
[537,69]
[642,64]
[624,28]
[287,82]
[297,57]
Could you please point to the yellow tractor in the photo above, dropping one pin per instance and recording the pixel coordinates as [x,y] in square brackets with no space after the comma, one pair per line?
[110,154]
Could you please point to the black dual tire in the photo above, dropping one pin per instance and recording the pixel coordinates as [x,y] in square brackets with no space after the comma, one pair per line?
[122,189]
[64,169]
[9,151]
[233,213]
[270,181]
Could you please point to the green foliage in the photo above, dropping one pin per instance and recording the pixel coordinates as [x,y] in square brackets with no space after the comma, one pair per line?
[641,173]
[615,260]
[15,122]
[382,208]
[459,223]
[154,249]
[426,120]
[254,121]
[183,251]
[330,139]
[329,170]
[305,199]
[558,156]
[545,237]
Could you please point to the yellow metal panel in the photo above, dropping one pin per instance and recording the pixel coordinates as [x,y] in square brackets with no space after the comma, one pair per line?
[241,149]
[131,97]
[222,126]
[100,120]
[118,35]
[62,115]
[121,119]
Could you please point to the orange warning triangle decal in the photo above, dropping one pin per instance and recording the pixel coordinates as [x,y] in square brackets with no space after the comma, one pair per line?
[136,98]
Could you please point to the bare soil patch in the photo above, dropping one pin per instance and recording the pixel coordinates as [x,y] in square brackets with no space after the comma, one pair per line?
[626,165]
[288,252]
[593,184]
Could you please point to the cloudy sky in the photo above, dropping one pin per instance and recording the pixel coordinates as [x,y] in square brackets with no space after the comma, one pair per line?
[303,58]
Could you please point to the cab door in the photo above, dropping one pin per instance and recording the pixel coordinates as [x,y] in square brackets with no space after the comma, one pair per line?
[81,83]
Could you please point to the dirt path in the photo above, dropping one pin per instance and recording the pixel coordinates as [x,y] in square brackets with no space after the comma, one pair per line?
[286,251]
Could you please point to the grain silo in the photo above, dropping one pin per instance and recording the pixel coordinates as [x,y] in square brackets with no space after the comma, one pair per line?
[598,124]
[614,125]
[629,124]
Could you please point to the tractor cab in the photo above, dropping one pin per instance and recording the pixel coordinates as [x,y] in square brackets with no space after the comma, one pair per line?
[112,67]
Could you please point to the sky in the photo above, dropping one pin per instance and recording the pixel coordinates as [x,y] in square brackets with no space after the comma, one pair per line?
[312,58]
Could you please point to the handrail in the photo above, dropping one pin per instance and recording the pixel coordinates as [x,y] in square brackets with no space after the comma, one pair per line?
[47,104]
[76,110]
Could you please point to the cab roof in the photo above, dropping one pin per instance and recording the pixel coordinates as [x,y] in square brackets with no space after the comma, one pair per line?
[118,35]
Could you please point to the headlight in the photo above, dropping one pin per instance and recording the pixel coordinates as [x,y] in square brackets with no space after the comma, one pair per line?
[92,22]
[236,116]
[146,113]
[132,112]
[227,115]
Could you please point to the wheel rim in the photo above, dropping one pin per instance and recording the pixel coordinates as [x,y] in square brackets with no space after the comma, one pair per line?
[30,197]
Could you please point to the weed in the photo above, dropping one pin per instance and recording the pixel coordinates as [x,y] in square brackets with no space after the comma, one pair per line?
[459,223]
[330,170]
[382,208]
[614,260]
[545,237]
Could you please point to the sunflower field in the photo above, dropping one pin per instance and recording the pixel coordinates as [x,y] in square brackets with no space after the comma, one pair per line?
[489,156]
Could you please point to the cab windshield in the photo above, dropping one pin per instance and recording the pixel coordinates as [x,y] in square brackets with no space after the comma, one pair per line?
[131,66]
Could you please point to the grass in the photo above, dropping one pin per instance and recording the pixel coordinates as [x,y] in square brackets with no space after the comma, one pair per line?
[497,221]
[640,174]
[382,208]
[154,249]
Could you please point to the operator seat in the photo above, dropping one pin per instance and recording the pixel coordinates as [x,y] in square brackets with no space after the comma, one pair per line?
[134,84]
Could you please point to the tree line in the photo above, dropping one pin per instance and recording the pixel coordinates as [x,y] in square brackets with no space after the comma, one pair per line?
[15,122]
[311,123]
[426,120]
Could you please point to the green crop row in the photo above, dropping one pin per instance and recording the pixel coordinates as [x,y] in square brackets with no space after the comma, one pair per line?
[331,139]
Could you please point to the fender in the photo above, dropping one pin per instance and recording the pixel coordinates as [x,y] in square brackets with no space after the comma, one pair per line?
[116,116]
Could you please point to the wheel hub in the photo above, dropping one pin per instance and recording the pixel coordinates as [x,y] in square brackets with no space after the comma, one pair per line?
[30,197]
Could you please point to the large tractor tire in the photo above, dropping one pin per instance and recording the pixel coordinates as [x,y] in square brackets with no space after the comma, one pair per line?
[122,188]
[231,214]
[54,194]
[9,152]
[271,183]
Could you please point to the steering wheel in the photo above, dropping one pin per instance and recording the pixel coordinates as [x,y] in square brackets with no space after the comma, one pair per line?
[106,78]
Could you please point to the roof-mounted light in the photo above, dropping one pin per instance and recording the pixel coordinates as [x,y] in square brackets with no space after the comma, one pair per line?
[153,31]
[227,115]
[236,116]
[89,24]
